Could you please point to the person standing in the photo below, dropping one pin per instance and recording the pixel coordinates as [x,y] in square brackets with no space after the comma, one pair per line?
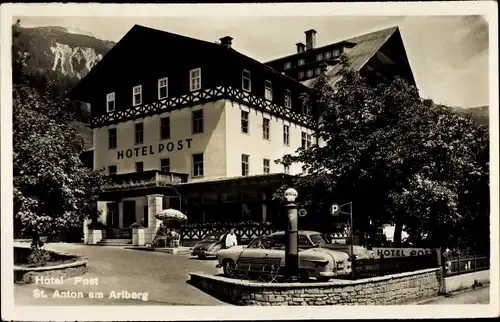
[231,239]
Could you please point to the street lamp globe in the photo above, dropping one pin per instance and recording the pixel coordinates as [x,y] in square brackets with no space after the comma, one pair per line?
[291,194]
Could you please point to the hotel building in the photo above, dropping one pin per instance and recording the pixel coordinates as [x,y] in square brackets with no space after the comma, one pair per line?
[196,126]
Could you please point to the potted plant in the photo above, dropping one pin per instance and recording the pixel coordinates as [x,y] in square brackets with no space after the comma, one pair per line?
[138,233]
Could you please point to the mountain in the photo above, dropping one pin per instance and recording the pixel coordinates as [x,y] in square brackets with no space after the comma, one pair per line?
[479,114]
[61,50]
[64,56]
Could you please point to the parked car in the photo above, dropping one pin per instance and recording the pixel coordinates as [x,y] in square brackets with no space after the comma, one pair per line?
[315,238]
[321,263]
[209,246]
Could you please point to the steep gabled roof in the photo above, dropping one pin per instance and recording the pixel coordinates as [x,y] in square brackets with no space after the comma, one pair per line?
[140,39]
[366,47]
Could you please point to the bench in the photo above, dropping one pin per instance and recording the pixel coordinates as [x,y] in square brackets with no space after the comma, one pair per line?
[266,268]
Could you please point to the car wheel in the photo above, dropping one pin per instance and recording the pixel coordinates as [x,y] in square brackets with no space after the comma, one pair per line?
[201,256]
[323,279]
[228,267]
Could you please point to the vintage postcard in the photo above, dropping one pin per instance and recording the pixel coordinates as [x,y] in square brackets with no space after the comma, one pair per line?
[212,162]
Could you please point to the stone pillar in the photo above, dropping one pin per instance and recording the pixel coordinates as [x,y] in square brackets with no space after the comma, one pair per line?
[86,231]
[102,206]
[155,205]
[120,214]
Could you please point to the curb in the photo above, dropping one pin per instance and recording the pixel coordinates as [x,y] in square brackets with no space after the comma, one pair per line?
[422,302]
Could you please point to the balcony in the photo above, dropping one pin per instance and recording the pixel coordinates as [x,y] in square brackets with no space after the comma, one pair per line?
[144,179]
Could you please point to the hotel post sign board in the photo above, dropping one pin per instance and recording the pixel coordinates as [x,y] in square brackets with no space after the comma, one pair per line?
[152,149]
[388,252]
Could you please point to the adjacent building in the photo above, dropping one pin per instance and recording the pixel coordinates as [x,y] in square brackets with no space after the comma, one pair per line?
[196,126]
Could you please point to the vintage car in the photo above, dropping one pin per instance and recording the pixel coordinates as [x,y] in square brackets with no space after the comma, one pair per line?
[209,246]
[314,261]
[317,239]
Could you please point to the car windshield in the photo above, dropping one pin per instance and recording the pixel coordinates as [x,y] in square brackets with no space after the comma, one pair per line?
[211,238]
[317,239]
[267,243]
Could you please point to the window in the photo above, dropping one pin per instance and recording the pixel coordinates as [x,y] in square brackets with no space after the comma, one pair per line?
[165,165]
[195,79]
[139,166]
[309,73]
[244,164]
[319,56]
[112,170]
[265,128]
[246,81]
[110,102]
[139,133]
[244,122]
[306,140]
[301,75]
[288,65]
[306,109]
[317,71]
[197,117]
[137,95]
[288,98]
[267,166]
[328,55]
[286,135]
[286,168]
[301,61]
[165,128]
[336,52]
[111,138]
[268,90]
[162,88]
[198,165]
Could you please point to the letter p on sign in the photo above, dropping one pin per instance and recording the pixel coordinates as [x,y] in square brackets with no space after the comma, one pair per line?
[334,209]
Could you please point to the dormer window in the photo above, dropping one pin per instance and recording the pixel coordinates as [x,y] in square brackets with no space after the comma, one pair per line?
[288,98]
[328,55]
[110,102]
[309,73]
[137,95]
[301,61]
[319,56]
[246,81]
[268,90]
[163,88]
[195,79]
[301,75]
[288,65]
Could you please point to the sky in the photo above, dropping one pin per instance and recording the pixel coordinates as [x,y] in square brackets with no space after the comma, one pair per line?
[448,54]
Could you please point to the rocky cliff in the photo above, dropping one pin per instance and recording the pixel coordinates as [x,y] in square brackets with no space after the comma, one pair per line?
[61,50]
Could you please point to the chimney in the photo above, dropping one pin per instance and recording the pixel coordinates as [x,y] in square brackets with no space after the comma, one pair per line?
[300,47]
[310,39]
[226,41]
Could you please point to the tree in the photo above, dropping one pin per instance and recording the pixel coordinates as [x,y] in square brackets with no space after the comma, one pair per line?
[53,190]
[399,159]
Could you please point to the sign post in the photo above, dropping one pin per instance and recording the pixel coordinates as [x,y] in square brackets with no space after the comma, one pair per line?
[335,210]
[291,247]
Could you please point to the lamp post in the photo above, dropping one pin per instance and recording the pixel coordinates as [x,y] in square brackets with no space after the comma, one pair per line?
[291,234]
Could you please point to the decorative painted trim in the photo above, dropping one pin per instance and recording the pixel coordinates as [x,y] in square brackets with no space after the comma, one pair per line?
[202,97]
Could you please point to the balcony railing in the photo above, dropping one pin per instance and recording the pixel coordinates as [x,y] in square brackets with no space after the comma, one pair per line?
[150,178]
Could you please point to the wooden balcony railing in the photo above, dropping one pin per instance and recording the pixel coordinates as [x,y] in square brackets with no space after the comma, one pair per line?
[150,178]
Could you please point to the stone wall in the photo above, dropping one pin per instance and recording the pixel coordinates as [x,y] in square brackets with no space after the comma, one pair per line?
[391,289]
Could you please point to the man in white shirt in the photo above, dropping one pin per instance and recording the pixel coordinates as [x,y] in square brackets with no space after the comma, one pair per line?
[231,239]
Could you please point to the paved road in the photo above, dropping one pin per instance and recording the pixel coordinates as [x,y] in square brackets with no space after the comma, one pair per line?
[477,296]
[162,276]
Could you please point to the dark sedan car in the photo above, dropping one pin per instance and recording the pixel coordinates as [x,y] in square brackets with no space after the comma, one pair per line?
[209,246]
